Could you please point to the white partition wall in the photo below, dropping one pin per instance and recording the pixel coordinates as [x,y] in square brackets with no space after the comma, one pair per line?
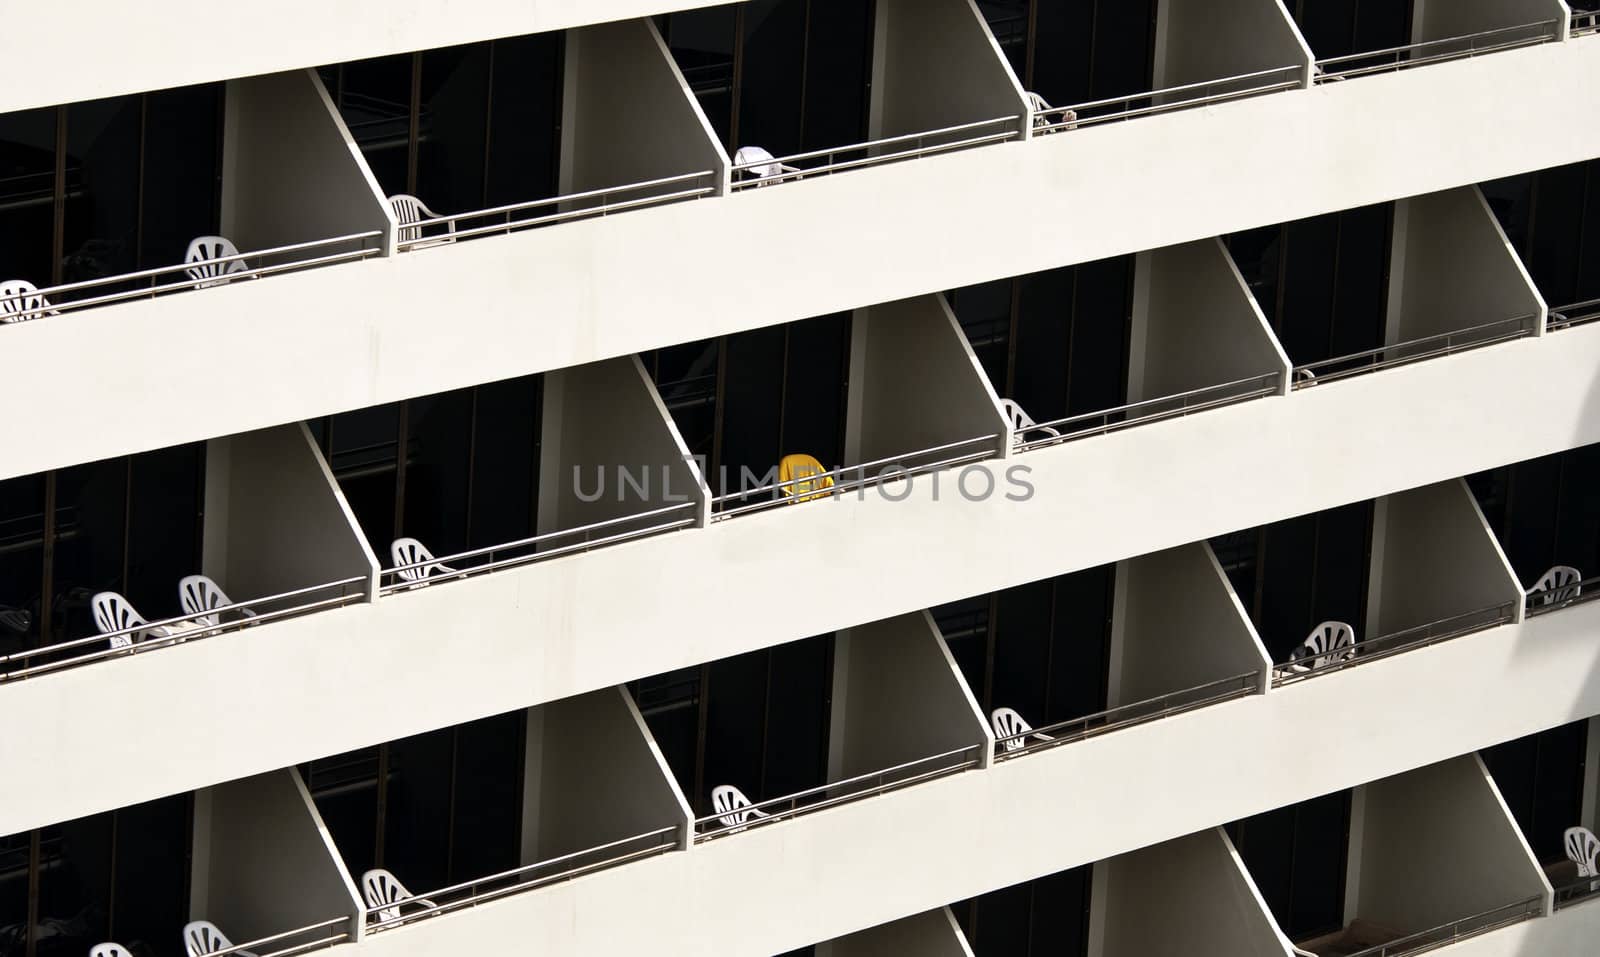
[1445,19]
[264,863]
[915,384]
[1434,846]
[290,171]
[275,520]
[935,65]
[1195,324]
[609,450]
[1179,626]
[1188,896]
[1433,561]
[628,117]
[595,777]
[898,697]
[1202,40]
[1451,269]
[933,934]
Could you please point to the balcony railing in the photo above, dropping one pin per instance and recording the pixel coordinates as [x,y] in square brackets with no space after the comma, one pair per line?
[595,203]
[519,880]
[538,548]
[840,792]
[1545,602]
[1168,99]
[892,149]
[1461,929]
[1573,314]
[164,280]
[1149,410]
[1437,51]
[1128,715]
[289,943]
[1585,22]
[855,478]
[169,632]
[1577,891]
[1394,643]
[1415,350]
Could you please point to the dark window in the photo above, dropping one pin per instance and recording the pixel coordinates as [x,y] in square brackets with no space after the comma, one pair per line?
[1541,778]
[1545,511]
[757,721]
[1342,27]
[462,128]
[1049,916]
[1548,217]
[1296,857]
[1073,51]
[104,187]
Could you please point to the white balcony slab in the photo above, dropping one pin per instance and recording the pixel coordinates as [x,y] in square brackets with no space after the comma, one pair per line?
[425,659]
[97,48]
[864,863]
[503,306]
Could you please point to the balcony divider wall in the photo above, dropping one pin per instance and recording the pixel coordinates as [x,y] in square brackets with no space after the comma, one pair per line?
[1195,324]
[935,66]
[1202,891]
[276,520]
[932,934]
[265,863]
[1443,19]
[916,384]
[1202,40]
[291,173]
[1552,217]
[1547,780]
[629,117]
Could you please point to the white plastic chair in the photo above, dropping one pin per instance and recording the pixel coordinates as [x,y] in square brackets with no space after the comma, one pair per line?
[1329,642]
[1583,849]
[112,612]
[1012,731]
[109,949]
[201,937]
[409,551]
[201,597]
[734,807]
[1557,585]
[1022,423]
[771,168]
[383,889]
[32,305]
[203,267]
[412,212]
[1040,106]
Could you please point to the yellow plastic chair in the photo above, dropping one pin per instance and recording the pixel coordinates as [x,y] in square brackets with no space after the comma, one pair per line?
[799,469]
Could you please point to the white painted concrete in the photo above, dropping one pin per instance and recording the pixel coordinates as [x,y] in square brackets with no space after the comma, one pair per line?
[1439,845]
[265,863]
[933,934]
[959,836]
[563,296]
[291,173]
[1189,895]
[87,50]
[453,652]
[1202,40]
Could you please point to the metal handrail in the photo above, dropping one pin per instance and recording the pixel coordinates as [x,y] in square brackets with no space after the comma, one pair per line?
[1128,715]
[1539,603]
[428,904]
[1479,923]
[1584,22]
[254,946]
[447,225]
[838,792]
[1135,413]
[1573,314]
[832,165]
[1081,114]
[58,305]
[152,643]
[1443,344]
[392,579]
[1577,891]
[890,469]
[1396,642]
[1400,57]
